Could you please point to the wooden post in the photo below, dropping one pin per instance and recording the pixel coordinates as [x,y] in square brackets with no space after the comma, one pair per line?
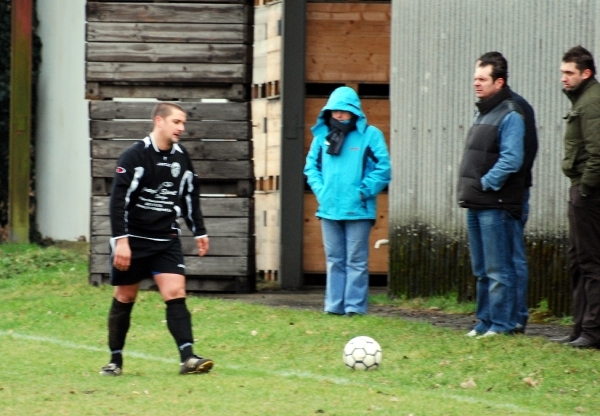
[20,119]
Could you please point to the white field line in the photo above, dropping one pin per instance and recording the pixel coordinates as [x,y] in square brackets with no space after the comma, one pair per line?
[286,374]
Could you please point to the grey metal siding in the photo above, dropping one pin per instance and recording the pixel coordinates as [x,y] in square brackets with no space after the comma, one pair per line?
[434,47]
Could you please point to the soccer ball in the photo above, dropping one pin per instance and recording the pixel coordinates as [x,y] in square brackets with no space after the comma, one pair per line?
[362,353]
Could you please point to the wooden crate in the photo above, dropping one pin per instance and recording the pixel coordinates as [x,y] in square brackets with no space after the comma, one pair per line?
[185,51]
[348,42]
[314,255]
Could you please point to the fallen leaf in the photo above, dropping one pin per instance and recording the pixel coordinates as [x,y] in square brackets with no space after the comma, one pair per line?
[469,384]
[531,382]
[580,409]
[254,332]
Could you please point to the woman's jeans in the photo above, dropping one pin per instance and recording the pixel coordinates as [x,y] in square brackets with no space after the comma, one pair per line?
[347,254]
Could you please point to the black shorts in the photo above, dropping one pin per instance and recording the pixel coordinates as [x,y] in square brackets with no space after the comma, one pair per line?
[148,257]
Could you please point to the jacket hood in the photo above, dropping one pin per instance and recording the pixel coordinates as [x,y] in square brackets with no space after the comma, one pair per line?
[345,99]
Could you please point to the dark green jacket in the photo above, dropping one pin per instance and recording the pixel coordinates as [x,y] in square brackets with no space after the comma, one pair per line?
[581,162]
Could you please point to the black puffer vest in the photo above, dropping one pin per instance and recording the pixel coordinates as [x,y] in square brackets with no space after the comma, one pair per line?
[482,151]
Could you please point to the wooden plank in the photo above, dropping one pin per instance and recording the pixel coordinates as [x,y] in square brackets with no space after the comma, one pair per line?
[219,246]
[376,110]
[166,72]
[314,255]
[195,265]
[101,91]
[128,129]
[109,110]
[206,150]
[211,207]
[167,32]
[167,52]
[173,13]
[223,227]
[205,169]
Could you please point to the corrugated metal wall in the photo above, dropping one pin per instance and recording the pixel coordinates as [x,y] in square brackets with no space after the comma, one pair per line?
[434,47]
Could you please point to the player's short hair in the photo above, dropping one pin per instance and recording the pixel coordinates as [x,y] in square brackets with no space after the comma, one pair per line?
[581,57]
[164,110]
[498,63]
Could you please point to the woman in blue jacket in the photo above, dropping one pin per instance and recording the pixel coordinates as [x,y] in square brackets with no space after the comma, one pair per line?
[347,165]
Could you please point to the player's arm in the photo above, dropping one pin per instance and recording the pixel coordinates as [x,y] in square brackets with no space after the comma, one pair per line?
[122,254]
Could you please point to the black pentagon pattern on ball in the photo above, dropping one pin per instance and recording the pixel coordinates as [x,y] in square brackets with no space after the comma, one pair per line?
[362,353]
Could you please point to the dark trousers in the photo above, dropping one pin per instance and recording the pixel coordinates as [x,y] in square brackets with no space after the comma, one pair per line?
[584,263]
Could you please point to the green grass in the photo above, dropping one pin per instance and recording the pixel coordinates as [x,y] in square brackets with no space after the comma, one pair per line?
[446,303]
[53,342]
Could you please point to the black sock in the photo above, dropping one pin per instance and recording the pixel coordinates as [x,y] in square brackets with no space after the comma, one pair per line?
[119,318]
[179,322]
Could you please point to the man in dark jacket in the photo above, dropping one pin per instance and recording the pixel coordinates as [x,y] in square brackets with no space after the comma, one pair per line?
[492,185]
[581,164]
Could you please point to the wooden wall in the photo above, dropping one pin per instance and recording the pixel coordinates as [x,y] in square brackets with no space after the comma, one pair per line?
[188,52]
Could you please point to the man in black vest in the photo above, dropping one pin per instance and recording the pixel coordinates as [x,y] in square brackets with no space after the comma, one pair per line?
[492,187]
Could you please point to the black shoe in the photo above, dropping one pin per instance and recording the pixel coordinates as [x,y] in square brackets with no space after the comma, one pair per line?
[583,342]
[563,340]
[519,329]
[195,365]
[111,369]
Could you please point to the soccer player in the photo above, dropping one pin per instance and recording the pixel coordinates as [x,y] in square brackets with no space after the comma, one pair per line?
[154,184]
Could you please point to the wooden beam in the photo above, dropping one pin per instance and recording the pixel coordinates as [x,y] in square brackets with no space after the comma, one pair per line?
[20,120]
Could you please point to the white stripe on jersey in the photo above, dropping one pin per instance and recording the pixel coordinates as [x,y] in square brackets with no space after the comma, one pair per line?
[139,172]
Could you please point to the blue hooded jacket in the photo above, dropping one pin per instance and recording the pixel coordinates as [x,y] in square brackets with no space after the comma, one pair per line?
[346,185]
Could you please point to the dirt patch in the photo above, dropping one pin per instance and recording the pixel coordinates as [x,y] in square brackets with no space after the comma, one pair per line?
[313,300]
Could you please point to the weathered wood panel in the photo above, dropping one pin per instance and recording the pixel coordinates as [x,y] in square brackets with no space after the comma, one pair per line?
[199,266]
[100,91]
[167,33]
[158,72]
[175,13]
[211,207]
[219,246]
[109,110]
[216,150]
[167,52]
[223,227]
[130,129]
[174,1]
[206,169]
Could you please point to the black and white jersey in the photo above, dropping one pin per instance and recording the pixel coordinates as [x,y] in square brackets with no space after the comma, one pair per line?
[151,190]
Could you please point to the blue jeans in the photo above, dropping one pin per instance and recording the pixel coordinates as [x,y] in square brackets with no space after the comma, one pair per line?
[491,240]
[520,262]
[347,254]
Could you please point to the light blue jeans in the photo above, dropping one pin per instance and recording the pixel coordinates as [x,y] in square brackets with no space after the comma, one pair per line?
[520,262]
[491,241]
[347,255]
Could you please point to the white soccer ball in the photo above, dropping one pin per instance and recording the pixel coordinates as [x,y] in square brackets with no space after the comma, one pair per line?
[362,353]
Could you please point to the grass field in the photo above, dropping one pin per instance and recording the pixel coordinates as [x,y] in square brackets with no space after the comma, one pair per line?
[267,361]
